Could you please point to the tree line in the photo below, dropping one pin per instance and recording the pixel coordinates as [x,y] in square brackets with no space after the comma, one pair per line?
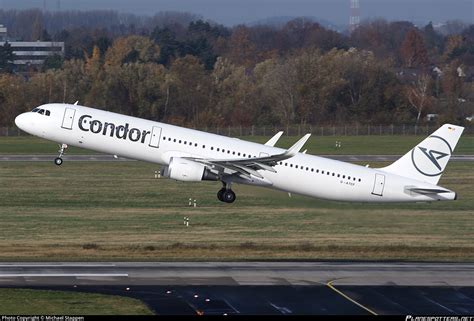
[187,71]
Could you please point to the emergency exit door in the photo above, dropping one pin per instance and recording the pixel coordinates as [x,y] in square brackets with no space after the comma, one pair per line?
[155,137]
[379,184]
[68,118]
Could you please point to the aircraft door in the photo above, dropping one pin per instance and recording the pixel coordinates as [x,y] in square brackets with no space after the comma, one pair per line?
[379,184]
[68,118]
[155,137]
[262,154]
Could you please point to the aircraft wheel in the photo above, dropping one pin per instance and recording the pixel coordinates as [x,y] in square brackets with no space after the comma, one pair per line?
[58,161]
[220,195]
[229,196]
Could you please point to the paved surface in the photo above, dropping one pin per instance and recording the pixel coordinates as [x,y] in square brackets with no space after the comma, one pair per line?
[108,158]
[238,273]
[264,287]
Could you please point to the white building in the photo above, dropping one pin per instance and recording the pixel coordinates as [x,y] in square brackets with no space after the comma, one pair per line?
[31,52]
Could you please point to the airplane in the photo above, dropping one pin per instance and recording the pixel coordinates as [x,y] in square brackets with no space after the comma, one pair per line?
[193,156]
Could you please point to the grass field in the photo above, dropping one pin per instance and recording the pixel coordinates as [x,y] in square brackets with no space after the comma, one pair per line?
[318,145]
[118,211]
[44,302]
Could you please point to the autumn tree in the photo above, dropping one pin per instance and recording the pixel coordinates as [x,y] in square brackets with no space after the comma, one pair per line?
[413,50]
[132,49]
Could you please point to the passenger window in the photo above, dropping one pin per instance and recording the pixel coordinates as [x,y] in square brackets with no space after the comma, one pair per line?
[174,140]
[169,139]
[218,149]
[359,179]
[291,165]
[239,154]
[195,145]
[48,113]
[233,153]
[333,174]
[212,148]
[296,166]
[312,169]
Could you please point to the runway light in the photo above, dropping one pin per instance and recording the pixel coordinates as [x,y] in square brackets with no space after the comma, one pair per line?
[168,292]
[127,289]
[75,286]
[196,296]
[207,300]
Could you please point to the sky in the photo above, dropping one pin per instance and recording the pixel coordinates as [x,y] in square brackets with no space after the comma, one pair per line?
[232,12]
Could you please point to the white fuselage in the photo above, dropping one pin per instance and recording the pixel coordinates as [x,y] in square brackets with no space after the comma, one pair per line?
[156,142]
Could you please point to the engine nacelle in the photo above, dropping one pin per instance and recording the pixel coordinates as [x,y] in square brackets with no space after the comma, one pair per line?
[185,170]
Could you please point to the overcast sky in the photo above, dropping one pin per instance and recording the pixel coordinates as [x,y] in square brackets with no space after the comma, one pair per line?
[231,12]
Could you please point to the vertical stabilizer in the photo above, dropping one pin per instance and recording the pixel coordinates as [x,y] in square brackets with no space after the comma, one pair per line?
[427,160]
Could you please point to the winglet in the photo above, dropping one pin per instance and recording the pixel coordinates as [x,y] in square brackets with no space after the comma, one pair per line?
[293,150]
[272,141]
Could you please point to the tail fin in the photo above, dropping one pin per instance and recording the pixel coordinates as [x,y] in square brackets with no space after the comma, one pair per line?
[427,160]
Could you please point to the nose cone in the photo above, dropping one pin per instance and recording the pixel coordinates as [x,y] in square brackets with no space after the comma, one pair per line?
[20,121]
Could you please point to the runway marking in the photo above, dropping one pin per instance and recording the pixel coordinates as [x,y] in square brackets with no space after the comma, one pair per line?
[329,284]
[62,275]
[440,305]
[56,265]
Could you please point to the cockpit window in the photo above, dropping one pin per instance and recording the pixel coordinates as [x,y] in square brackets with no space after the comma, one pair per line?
[41,111]
[35,110]
[48,113]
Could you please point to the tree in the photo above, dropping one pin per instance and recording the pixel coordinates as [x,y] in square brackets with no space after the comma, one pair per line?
[6,58]
[418,94]
[132,49]
[413,50]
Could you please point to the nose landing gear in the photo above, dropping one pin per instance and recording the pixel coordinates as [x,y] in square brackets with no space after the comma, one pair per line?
[225,194]
[59,160]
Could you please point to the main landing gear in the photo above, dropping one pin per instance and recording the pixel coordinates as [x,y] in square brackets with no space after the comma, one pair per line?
[59,160]
[225,194]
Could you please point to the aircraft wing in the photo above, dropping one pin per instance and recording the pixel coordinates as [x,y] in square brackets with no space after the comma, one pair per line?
[272,141]
[250,166]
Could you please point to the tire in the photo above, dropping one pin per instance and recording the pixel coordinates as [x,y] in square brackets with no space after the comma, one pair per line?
[229,196]
[220,194]
[58,161]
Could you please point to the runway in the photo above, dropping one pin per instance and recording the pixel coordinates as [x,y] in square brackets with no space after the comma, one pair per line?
[110,158]
[238,273]
[264,287]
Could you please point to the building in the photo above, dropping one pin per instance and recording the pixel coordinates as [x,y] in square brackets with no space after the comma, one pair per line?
[3,33]
[35,52]
[31,52]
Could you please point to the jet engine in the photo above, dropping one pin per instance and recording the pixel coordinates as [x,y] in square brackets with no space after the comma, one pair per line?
[185,170]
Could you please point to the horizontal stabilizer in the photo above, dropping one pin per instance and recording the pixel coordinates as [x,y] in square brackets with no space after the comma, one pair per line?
[426,191]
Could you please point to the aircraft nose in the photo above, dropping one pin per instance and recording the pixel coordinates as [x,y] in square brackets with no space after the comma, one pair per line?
[20,121]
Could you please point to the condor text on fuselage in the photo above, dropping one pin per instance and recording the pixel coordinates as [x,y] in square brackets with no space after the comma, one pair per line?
[95,126]
[192,156]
